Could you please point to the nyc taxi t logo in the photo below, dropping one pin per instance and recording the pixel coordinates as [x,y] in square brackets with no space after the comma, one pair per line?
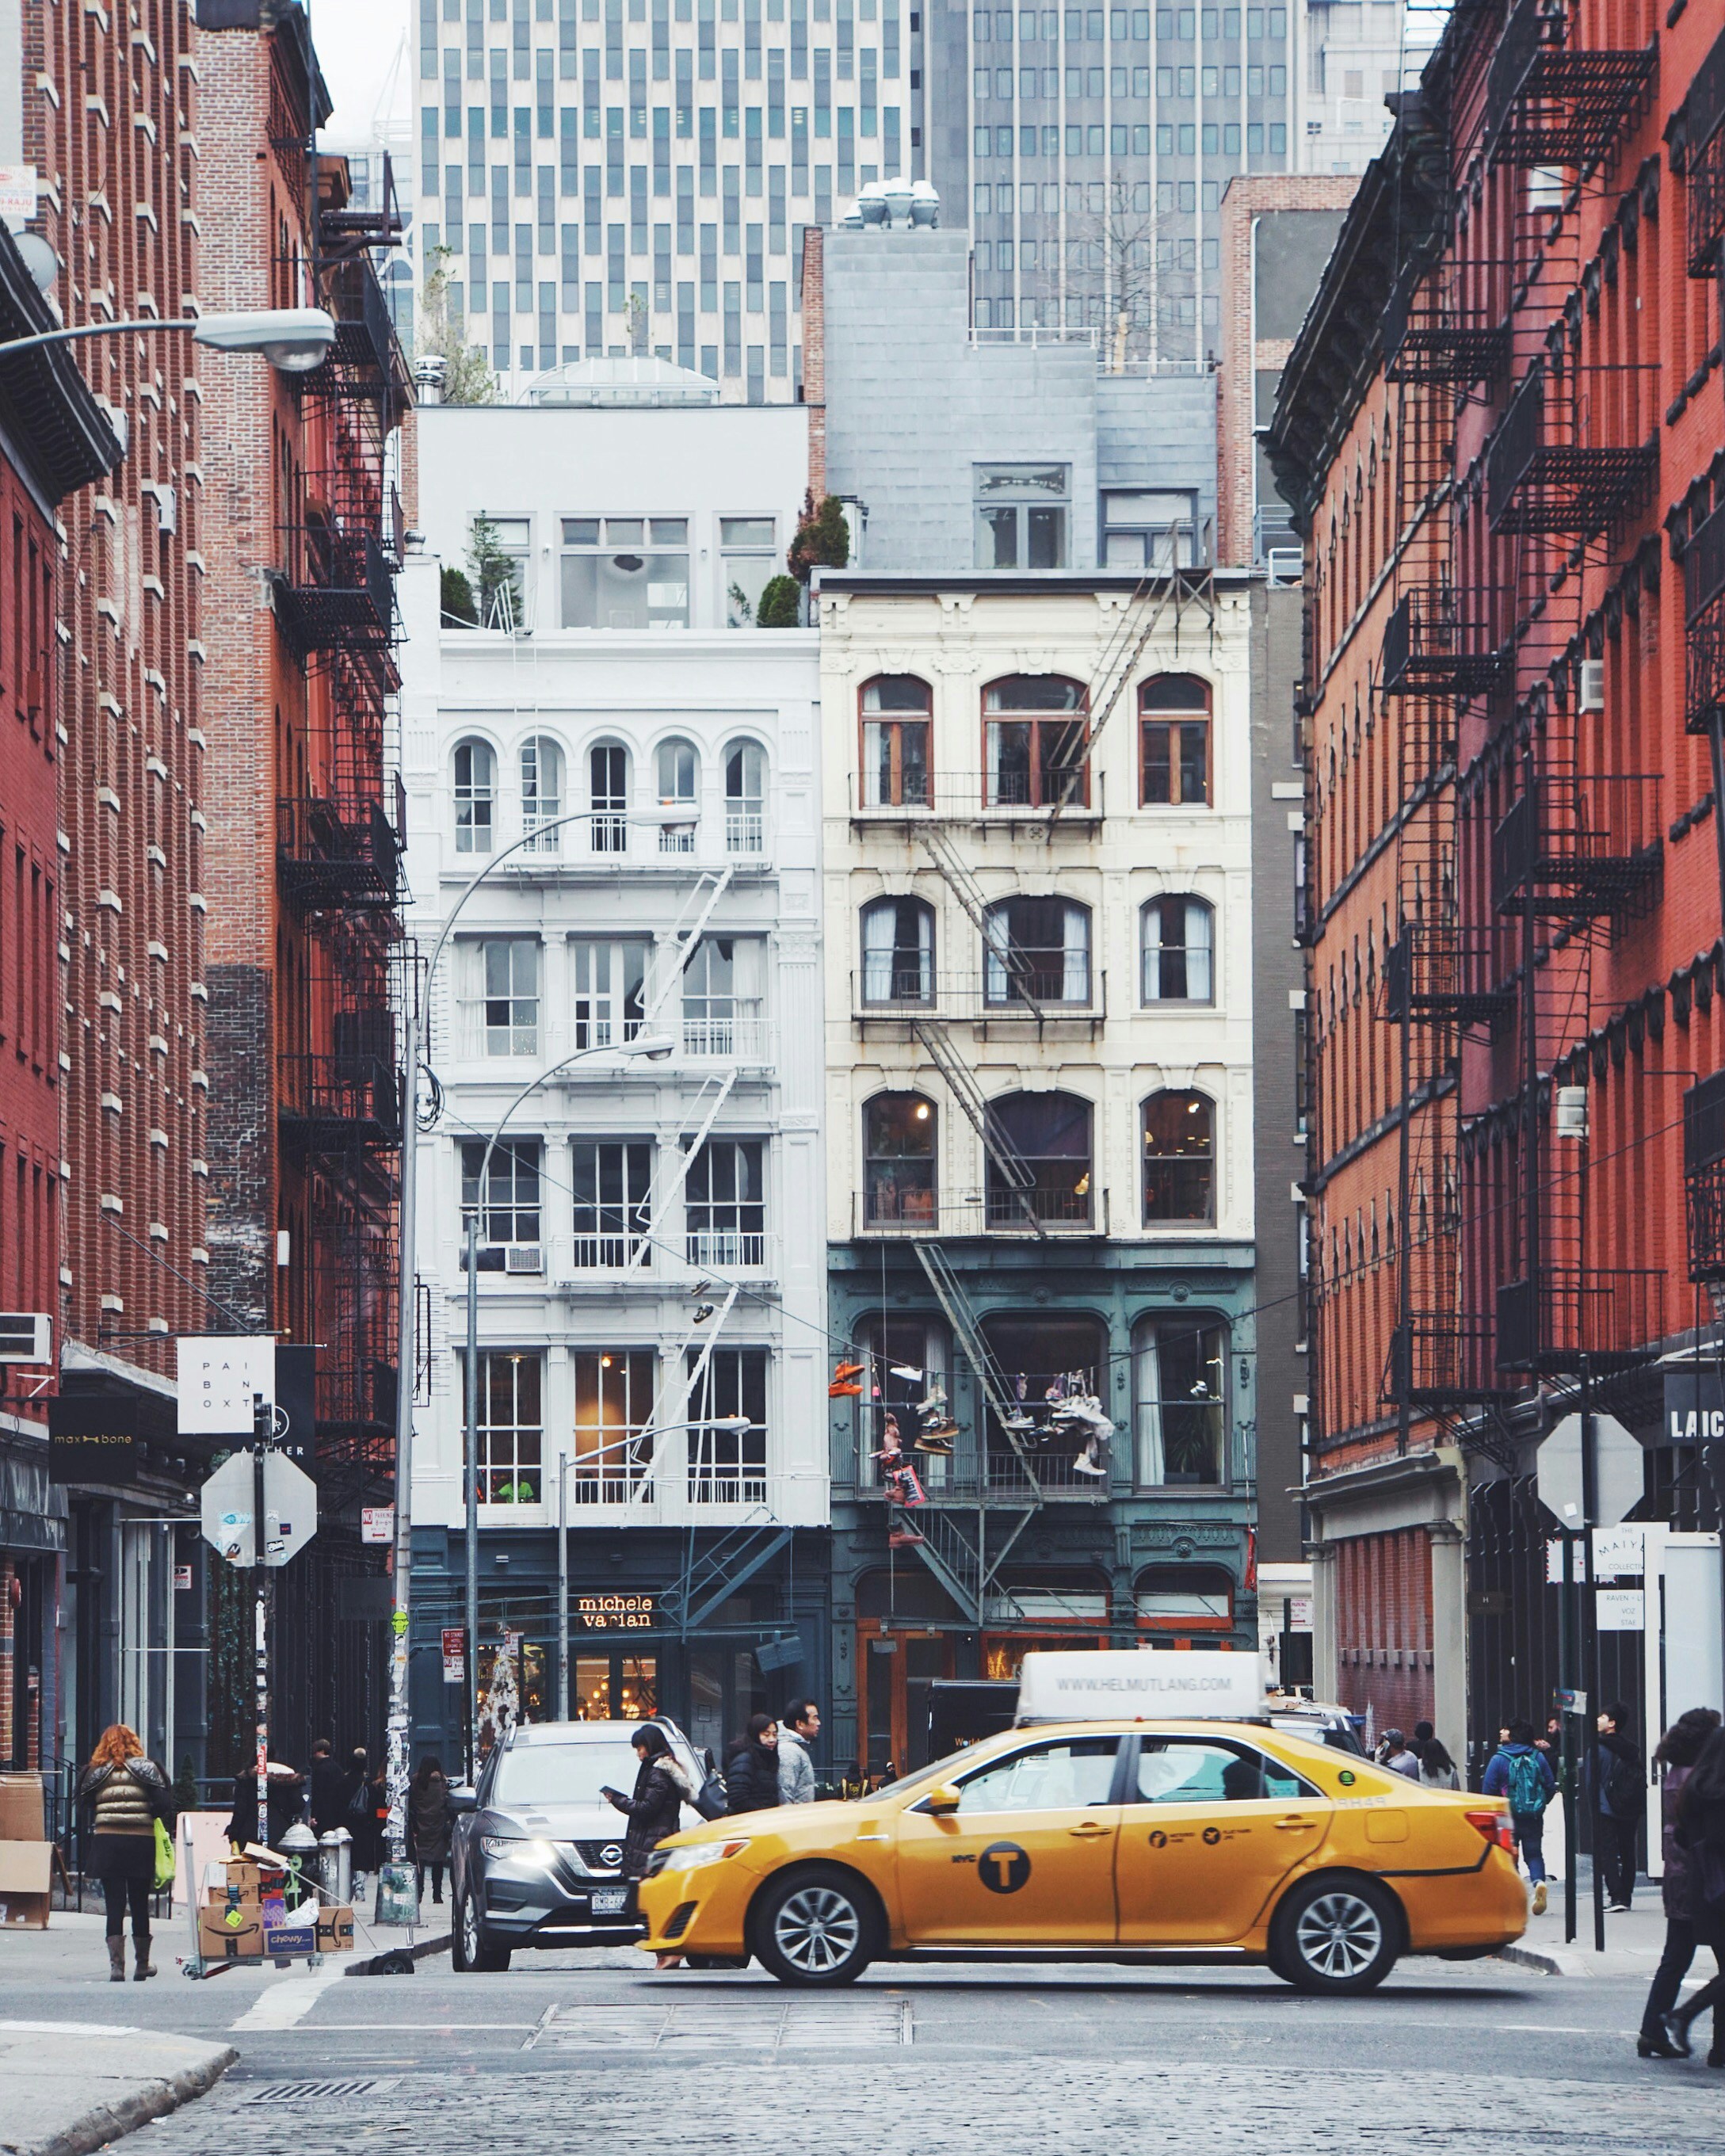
[1003,1866]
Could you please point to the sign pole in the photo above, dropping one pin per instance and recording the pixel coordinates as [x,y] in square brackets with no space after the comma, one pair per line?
[262,1419]
[473,1473]
[1590,1632]
[1572,1836]
[562,1586]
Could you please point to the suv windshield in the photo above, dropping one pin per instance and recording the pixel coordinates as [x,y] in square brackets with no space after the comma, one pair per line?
[565,1773]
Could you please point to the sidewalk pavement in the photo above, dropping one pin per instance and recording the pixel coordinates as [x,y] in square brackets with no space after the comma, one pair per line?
[67,2088]
[1633,1943]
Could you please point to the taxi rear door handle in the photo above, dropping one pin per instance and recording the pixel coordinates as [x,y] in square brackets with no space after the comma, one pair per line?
[1089,1831]
[1295,1826]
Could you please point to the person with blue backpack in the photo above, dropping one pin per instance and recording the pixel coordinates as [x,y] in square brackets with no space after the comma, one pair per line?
[1518,1771]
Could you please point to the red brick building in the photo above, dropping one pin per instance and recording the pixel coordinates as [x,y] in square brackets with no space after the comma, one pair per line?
[55,438]
[1503,431]
[304,940]
[110,122]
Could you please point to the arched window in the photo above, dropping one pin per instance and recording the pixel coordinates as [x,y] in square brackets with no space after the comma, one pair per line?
[1180,1400]
[899,1135]
[679,788]
[475,797]
[744,798]
[608,777]
[1034,729]
[898,951]
[895,710]
[1036,951]
[1179,1159]
[542,793]
[1177,939]
[1039,1165]
[1174,742]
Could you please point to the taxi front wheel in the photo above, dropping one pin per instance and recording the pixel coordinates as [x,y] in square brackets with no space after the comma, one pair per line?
[815,1928]
[1335,1936]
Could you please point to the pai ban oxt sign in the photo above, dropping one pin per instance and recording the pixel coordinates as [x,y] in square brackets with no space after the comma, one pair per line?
[616,1613]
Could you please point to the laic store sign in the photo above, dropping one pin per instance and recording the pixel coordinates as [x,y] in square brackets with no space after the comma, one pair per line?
[1694,1404]
[616,1613]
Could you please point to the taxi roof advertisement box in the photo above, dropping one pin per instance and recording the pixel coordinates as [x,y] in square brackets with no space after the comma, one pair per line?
[1142,1685]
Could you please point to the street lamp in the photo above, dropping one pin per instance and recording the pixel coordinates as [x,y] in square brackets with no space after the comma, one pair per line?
[294,340]
[737,1425]
[654,1046]
[674,817]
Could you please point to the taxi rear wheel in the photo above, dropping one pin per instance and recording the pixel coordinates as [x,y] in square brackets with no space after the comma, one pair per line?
[1336,1936]
[815,1928]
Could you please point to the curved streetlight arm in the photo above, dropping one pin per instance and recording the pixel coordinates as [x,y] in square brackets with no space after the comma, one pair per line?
[95,330]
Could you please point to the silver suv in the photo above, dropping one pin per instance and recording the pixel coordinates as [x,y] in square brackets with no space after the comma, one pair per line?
[537,1855]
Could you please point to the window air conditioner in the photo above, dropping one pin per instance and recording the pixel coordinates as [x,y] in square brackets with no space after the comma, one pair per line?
[26,1337]
[1593,685]
[522,1258]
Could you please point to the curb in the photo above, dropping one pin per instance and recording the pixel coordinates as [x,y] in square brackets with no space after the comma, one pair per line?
[1549,1963]
[154,2100]
[367,1965]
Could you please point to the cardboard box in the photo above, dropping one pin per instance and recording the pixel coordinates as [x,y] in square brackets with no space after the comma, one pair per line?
[216,1897]
[297,1937]
[26,1867]
[335,1929]
[22,1815]
[219,1940]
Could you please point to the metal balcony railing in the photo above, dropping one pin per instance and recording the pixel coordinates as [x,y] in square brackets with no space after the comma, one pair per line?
[1438,971]
[332,1102]
[977,797]
[1550,103]
[889,994]
[892,1210]
[1571,454]
[1704,168]
[1441,1360]
[336,853]
[1704,1176]
[338,591]
[1439,642]
[1427,338]
[1704,612]
[1568,1318]
[1577,846]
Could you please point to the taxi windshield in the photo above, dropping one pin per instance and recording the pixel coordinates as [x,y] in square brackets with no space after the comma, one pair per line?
[942,1770]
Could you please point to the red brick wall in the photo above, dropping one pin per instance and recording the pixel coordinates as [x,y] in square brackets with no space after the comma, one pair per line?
[131,702]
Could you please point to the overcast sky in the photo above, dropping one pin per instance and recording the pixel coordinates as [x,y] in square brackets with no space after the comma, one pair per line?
[357,43]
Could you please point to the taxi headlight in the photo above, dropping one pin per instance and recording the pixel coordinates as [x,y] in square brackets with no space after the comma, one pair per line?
[516,1849]
[694,1858]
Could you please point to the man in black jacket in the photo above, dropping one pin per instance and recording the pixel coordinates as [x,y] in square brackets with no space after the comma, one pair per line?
[1619,1798]
[331,1788]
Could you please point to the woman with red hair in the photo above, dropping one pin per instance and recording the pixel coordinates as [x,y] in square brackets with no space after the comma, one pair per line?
[123,1794]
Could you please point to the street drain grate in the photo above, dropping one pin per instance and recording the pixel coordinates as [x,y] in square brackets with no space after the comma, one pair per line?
[319,2092]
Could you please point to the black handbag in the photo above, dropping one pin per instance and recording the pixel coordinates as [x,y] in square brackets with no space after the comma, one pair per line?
[712,1800]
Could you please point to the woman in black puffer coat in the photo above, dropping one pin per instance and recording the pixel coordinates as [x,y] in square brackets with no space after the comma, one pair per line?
[662,1788]
[751,1771]
[1701,1836]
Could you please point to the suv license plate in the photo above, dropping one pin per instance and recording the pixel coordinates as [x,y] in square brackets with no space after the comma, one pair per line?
[609,1901]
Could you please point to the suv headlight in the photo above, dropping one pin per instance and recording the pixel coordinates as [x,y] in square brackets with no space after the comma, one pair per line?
[519,1848]
[694,1858]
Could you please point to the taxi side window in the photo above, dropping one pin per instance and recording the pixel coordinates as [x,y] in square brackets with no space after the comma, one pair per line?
[1073,1776]
[1191,1771]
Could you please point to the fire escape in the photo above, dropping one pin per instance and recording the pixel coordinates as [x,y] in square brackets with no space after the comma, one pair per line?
[339,841]
[975,1514]
[1516,855]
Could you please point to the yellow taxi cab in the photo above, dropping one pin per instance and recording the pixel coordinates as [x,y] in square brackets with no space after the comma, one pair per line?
[1189,1840]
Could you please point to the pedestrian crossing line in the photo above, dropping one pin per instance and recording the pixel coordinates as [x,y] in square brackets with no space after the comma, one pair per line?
[285,2003]
[765,2025]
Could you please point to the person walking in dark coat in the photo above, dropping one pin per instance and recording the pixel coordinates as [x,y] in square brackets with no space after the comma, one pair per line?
[430,1826]
[1679,1750]
[655,1810]
[751,1771]
[1700,1833]
[330,1789]
[366,1794]
[286,1801]
[1619,1796]
[123,1794]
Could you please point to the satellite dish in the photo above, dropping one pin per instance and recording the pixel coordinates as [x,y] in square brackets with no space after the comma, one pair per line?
[39,258]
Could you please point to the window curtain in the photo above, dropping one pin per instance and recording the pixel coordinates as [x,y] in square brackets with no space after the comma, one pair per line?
[879,942]
[1075,985]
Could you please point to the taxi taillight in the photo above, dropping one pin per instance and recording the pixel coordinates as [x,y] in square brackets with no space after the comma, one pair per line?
[1496,1828]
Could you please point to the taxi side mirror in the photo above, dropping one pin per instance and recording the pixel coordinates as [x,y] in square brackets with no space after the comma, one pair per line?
[942,1799]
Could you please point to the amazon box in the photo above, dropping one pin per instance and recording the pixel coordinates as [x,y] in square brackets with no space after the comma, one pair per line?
[335,1929]
[230,1934]
[21,1816]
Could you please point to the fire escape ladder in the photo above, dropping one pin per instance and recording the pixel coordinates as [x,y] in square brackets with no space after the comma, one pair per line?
[675,1161]
[961,1083]
[709,1581]
[957,1309]
[960,881]
[1164,587]
[686,932]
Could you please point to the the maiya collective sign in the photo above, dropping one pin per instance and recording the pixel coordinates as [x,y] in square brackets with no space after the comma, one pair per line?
[615,1613]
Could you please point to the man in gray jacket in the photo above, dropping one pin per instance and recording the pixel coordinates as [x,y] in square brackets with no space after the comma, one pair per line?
[796,1732]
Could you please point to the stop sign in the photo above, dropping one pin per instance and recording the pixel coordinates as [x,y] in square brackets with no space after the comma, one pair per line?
[229,1499]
